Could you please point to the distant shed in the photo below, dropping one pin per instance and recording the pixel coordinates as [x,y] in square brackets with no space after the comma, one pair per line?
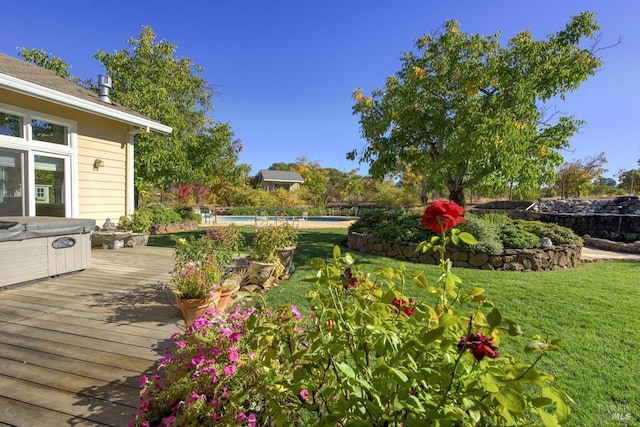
[271,179]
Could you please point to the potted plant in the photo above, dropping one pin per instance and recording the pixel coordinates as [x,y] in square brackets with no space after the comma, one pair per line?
[223,243]
[196,287]
[264,254]
[230,285]
[139,224]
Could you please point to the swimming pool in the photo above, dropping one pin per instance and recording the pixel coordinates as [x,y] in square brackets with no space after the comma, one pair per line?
[272,219]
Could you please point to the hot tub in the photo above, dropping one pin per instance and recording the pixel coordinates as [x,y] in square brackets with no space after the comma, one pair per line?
[33,248]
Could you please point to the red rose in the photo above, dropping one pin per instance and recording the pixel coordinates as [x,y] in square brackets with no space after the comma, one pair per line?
[351,281]
[479,345]
[442,215]
[404,305]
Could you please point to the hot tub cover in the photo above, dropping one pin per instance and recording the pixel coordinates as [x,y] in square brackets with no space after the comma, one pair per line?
[23,227]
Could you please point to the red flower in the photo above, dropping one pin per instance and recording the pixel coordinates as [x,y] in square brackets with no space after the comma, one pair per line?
[442,215]
[405,305]
[479,345]
[351,281]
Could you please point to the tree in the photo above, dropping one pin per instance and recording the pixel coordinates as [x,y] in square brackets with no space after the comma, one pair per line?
[47,60]
[199,154]
[464,108]
[315,180]
[629,178]
[150,79]
[577,177]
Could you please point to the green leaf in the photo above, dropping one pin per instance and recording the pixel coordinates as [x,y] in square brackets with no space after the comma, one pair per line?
[349,259]
[467,238]
[346,369]
[563,411]
[536,346]
[549,420]
[490,382]
[398,373]
[494,318]
[511,400]
[432,335]
[541,402]
[413,401]
[512,328]
[336,252]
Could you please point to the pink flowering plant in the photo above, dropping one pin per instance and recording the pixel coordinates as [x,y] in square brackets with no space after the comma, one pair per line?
[218,244]
[195,281]
[205,379]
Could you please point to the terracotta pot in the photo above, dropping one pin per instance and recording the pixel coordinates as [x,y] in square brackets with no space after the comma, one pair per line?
[226,300]
[192,308]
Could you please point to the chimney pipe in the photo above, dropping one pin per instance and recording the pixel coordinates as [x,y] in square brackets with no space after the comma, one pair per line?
[104,84]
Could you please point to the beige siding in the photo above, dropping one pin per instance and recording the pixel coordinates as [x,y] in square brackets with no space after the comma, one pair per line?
[103,192]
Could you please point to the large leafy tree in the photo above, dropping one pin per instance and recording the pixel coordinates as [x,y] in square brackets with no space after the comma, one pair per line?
[200,153]
[152,80]
[464,108]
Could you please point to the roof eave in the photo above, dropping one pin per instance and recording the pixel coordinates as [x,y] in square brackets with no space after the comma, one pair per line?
[41,92]
[283,180]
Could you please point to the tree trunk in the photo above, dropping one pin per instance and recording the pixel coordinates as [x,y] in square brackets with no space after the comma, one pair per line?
[457,195]
[423,192]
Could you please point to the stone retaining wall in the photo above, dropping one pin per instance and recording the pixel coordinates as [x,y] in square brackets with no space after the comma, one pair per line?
[175,227]
[612,219]
[608,245]
[551,258]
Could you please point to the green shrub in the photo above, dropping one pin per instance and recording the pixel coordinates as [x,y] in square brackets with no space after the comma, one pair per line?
[487,234]
[514,236]
[187,214]
[405,228]
[140,222]
[559,235]
[498,219]
[163,216]
[373,220]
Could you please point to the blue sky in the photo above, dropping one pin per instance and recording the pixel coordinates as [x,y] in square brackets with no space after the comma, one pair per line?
[285,70]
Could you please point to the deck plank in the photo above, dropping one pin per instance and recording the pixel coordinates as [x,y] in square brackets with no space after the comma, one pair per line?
[73,348]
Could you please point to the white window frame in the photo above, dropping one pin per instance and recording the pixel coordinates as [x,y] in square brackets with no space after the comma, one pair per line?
[69,152]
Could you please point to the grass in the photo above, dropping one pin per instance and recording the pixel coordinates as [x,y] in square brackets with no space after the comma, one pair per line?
[593,308]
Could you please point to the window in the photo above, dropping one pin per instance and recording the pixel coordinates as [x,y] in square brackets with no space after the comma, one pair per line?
[48,132]
[10,125]
[38,154]
[12,200]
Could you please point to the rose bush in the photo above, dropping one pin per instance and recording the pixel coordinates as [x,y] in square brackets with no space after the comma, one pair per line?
[368,354]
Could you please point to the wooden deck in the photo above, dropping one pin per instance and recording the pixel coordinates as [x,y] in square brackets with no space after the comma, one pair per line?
[73,348]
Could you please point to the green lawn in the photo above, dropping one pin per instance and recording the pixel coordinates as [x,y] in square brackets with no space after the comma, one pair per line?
[593,308]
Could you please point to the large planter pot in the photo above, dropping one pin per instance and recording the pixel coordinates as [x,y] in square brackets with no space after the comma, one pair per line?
[109,239]
[192,308]
[286,259]
[259,272]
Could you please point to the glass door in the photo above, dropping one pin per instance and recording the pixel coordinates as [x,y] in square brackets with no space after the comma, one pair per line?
[50,185]
[12,195]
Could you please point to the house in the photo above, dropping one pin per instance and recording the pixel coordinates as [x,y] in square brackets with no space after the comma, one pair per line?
[65,151]
[270,180]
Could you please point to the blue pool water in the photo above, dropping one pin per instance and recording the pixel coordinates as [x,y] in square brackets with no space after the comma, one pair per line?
[273,219]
